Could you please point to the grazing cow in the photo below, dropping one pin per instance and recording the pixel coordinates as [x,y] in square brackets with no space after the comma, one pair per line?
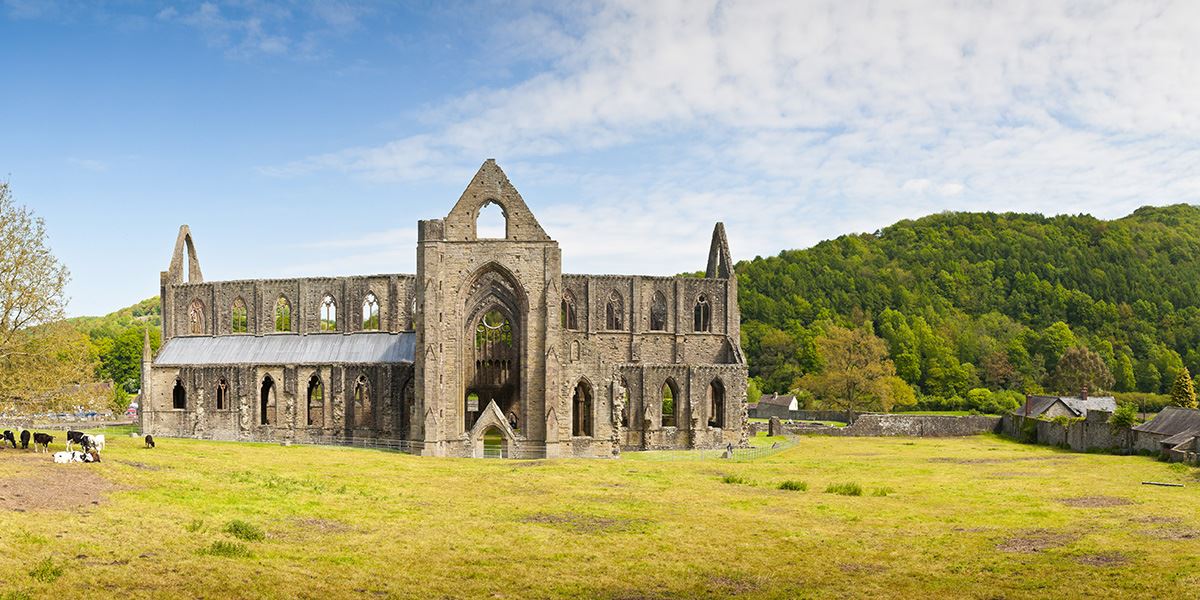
[69,457]
[91,456]
[24,439]
[8,437]
[42,441]
[78,437]
[97,442]
[149,441]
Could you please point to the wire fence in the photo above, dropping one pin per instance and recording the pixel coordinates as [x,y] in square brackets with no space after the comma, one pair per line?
[735,454]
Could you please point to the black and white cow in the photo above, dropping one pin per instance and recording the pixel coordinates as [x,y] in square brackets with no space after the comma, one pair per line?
[78,437]
[24,439]
[42,441]
[149,441]
[8,437]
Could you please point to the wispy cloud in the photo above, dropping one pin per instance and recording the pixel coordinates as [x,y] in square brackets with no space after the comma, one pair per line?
[89,164]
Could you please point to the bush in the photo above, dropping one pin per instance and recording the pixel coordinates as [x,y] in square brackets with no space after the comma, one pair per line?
[1125,416]
[794,486]
[845,489]
[1143,402]
[244,531]
[46,571]
[226,549]
[735,479]
[16,595]
[194,526]
[883,491]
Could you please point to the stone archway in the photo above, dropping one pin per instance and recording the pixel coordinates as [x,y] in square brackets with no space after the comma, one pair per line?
[492,364]
[492,431]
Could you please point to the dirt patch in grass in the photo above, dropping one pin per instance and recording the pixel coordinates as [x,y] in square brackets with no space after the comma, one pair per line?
[853,568]
[995,461]
[1172,533]
[42,484]
[1036,540]
[724,586]
[140,465]
[321,525]
[583,523]
[1011,474]
[1096,501]
[1104,559]
[1156,520]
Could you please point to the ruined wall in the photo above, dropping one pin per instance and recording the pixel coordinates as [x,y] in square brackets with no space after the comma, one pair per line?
[918,425]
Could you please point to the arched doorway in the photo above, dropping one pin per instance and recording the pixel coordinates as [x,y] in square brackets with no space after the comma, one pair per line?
[266,402]
[716,404]
[581,410]
[493,443]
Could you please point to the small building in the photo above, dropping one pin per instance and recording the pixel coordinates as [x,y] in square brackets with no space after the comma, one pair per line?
[1173,432]
[783,406]
[1048,407]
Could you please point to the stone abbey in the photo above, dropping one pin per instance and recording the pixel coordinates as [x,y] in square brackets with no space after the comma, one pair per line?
[489,348]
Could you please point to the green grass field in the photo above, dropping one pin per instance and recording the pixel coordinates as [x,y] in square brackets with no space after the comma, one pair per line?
[970,517]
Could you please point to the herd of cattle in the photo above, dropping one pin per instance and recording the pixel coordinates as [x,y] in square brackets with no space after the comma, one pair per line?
[91,445]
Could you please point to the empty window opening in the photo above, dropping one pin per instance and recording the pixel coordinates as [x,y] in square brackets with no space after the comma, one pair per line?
[239,321]
[370,315]
[283,314]
[493,443]
[624,399]
[702,315]
[179,396]
[266,402]
[569,318]
[328,314]
[222,394]
[412,313]
[716,404]
[669,394]
[362,402]
[614,313]
[658,312]
[492,222]
[316,401]
[581,410]
[196,318]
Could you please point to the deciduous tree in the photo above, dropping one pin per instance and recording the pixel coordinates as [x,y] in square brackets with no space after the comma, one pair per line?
[856,373]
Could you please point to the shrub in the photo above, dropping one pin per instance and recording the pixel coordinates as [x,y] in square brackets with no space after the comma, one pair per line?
[883,491]
[244,531]
[226,549]
[735,479]
[16,595]
[46,571]
[1125,416]
[845,489]
[194,526]
[794,486]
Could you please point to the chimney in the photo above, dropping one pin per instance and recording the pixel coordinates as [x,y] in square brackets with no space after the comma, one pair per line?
[1083,394]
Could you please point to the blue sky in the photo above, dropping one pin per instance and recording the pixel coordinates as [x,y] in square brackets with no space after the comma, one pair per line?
[307,138]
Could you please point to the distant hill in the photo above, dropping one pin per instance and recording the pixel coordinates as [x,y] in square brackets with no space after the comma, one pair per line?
[117,340]
[958,295]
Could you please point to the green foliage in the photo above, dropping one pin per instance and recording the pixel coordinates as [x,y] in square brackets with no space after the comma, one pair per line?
[46,571]
[16,595]
[753,391]
[1066,422]
[1125,416]
[226,549]
[882,491]
[194,526]
[1150,403]
[1182,392]
[1080,367]
[845,489]
[244,531]
[794,486]
[117,339]
[968,300]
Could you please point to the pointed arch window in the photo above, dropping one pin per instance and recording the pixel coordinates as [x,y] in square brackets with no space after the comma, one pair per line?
[222,394]
[362,402]
[266,402]
[370,311]
[658,312]
[238,319]
[196,317]
[283,314]
[702,315]
[625,401]
[614,312]
[570,319]
[412,313]
[716,404]
[316,401]
[179,396]
[581,410]
[328,313]
[669,397]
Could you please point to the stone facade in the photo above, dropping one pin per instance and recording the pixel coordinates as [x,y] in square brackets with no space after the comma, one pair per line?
[488,348]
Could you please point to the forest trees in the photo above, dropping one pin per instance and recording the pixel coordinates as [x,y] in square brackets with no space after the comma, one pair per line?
[856,374]
[1080,368]
[42,358]
[1182,391]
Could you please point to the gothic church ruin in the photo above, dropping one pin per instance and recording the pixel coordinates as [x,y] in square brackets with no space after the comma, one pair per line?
[488,349]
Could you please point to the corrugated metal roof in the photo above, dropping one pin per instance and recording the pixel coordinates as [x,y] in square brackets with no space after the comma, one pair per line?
[354,348]
[1172,420]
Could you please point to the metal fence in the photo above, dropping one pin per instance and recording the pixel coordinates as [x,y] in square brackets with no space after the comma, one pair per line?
[737,454]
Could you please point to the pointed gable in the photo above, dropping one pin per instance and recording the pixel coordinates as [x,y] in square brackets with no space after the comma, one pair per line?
[719,263]
[491,186]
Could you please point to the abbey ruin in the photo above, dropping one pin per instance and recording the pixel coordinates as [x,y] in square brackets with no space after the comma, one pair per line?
[488,347]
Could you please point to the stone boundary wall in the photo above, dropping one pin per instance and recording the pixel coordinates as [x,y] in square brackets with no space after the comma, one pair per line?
[766,412]
[879,425]
[1092,433]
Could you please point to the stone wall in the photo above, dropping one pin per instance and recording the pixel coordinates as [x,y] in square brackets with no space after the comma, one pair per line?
[917,425]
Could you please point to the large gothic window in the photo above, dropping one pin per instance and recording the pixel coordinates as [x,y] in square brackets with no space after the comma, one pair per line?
[581,410]
[222,394]
[716,404]
[494,369]
[370,317]
[238,321]
[362,403]
[570,319]
[658,312]
[196,317]
[669,396]
[614,312]
[316,401]
[179,396]
[283,314]
[266,402]
[328,314]
[702,315]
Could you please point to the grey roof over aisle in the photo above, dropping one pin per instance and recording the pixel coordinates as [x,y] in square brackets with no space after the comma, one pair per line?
[354,348]
[1172,420]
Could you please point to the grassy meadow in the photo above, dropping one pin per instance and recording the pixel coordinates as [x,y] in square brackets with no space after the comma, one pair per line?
[968,517]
